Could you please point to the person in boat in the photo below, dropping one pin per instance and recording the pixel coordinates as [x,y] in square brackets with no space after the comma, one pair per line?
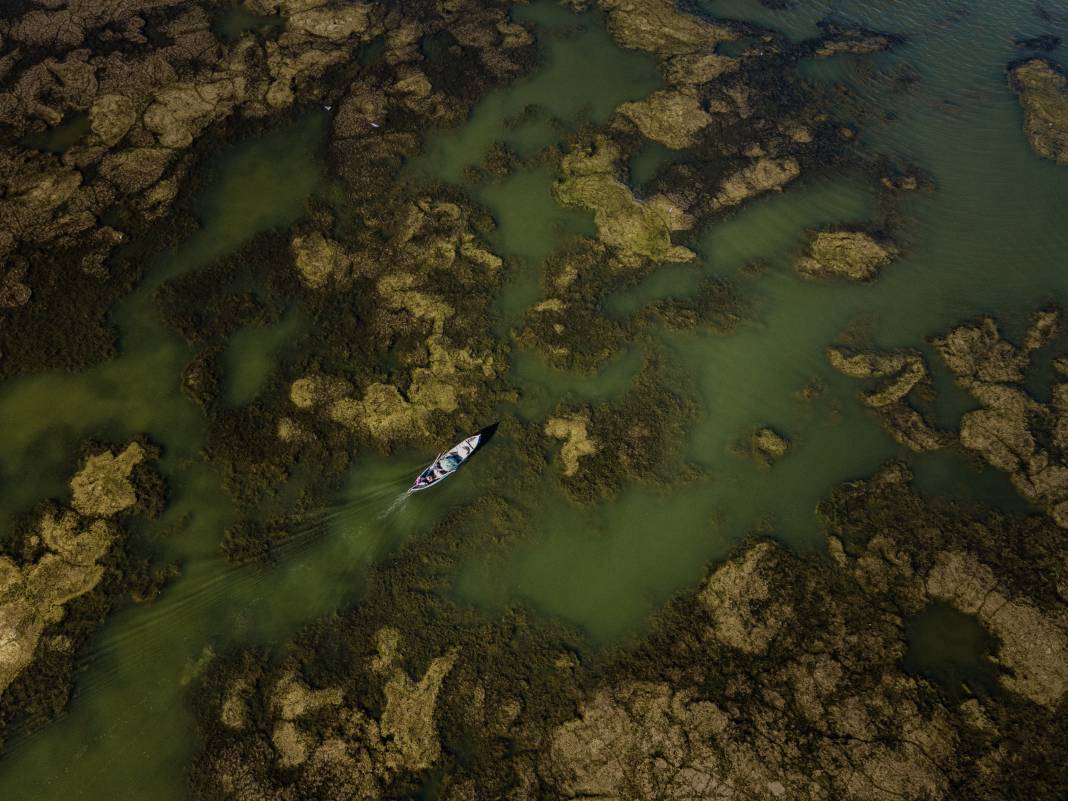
[443,467]
[447,463]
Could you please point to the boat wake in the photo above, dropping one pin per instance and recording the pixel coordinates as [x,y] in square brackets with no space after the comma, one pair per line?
[397,504]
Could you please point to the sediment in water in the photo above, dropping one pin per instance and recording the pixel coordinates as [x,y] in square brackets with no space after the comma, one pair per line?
[778,674]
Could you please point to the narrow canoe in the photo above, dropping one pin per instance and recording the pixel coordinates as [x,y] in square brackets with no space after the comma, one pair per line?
[446,464]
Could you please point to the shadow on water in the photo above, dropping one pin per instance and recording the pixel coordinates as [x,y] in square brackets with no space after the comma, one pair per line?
[486,434]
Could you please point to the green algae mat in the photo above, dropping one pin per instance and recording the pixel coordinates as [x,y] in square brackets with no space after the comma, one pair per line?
[766,298]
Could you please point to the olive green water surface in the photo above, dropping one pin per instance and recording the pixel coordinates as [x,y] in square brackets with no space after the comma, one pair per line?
[127,731]
[126,734]
[232,23]
[251,354]
[951,648]
[62,136]
[989,239]
[583,78]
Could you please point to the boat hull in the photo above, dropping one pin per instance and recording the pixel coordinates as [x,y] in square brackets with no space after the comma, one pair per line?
[446,464]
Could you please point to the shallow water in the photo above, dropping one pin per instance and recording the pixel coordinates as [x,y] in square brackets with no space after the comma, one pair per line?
[645,544]
[583,78]
[235,21]
[61,137]
[529,225]
[952,649]
[649,161]
[989,239]
[138,392]
[251,354]
[127,730]
[543,386]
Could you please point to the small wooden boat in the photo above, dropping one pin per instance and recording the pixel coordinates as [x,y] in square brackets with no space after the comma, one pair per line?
[447,463]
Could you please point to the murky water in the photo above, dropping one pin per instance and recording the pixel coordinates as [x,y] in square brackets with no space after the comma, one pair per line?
[232,23]
[952,649]
[138,392]
[584,77]
[128,728]
[990,238]
[61,137]
[251,354]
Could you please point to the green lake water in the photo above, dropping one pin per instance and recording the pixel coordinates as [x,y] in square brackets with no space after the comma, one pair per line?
[990,239]
[128,728]
[62,136]
[236,21]
[952,649]
[251,354]
[583,78]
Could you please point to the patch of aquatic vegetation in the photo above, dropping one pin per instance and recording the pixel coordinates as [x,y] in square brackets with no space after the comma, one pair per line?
[772,371]
[136,393]
[636,230]
[583,77]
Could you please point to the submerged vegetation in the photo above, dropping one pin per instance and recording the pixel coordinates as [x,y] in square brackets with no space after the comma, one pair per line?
[1041,87]
[239,301]
[71,568]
